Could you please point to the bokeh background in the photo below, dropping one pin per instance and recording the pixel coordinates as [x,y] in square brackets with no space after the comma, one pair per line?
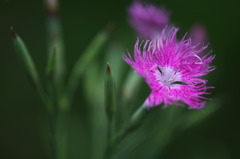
[23,118]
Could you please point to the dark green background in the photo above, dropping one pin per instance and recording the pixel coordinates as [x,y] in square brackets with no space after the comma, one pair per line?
[22,118]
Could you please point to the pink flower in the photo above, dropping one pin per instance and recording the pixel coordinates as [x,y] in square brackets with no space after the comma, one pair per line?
[147,20]
[172,69]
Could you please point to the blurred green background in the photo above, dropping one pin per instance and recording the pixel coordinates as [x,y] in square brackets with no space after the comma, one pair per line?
[23,118]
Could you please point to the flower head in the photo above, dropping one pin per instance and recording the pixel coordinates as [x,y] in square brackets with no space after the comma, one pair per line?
[172,69]
[147,19]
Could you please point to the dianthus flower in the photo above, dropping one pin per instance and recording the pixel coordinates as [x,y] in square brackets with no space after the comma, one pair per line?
[172,69]
[147,19]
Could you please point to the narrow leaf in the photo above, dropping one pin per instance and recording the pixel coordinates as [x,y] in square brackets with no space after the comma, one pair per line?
[50,71]
[82,63]
[27,62]
[51,65]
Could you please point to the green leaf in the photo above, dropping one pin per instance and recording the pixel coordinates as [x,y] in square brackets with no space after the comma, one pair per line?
[51,65]
[194,117]
[50,71]
[28,63]
[91,52]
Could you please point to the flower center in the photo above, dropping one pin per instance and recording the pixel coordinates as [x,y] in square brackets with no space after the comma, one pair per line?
[168,77]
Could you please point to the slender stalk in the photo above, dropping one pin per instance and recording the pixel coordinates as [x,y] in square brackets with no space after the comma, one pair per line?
[52,136]
[108,152]
[110,107]
[62,134]
[131,126]
[134,122]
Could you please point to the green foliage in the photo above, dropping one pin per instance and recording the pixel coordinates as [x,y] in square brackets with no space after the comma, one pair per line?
[27,62]
[78,126]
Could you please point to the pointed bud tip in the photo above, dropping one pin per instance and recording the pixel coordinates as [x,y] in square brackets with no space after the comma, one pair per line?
[108,68]
[13,32]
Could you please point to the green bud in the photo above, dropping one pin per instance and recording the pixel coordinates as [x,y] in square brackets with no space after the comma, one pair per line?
[110,94]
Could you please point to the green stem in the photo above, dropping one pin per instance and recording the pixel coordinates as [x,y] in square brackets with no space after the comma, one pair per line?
[62,134]
[108,152]
[52,136]
[132,125]
[134,122]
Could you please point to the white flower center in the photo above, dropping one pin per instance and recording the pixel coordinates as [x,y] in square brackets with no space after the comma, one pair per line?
[167,76]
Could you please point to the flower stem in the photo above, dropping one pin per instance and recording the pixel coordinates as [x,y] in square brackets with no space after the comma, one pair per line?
[52,136]
[132,125]
[108,152]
